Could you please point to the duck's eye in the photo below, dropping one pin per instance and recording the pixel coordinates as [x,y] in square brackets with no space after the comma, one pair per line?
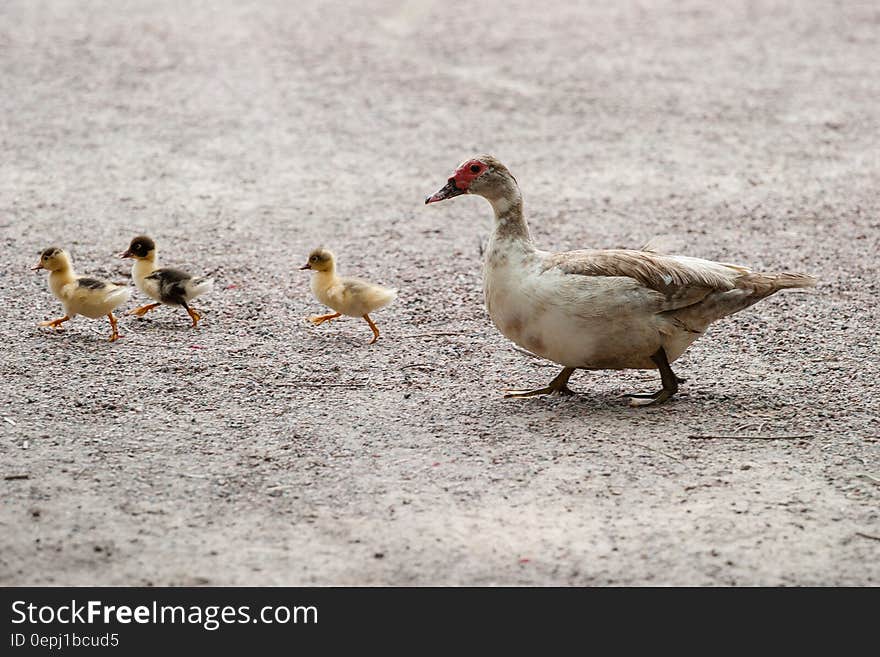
[475,168]
[313,259]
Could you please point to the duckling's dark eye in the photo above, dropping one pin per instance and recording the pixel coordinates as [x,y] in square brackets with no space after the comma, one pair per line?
[313,259]
[475,168]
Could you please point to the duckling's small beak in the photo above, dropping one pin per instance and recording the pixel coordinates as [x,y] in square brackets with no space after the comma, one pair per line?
[305,266]
[447,191]
[37,266]
[126,254]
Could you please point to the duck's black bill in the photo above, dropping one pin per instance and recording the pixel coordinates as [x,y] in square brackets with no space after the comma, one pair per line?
[126,254]
[447,191]
[305,266]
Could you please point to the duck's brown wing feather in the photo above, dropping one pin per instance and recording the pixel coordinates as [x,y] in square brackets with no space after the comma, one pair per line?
[662,273]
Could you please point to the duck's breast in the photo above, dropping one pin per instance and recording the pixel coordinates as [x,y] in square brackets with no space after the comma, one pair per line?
[151,288]
[595,322]
[139,272]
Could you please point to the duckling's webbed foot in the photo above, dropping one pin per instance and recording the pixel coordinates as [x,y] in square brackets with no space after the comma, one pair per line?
[143,310]
[55,323]
[558,386]
[373,327]
[667,376]
[193,315]
[114,328]
[317,320]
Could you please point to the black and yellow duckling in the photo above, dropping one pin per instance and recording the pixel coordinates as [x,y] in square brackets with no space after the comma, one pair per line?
[169,286]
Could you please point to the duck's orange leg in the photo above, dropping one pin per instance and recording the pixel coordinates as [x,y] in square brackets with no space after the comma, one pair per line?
[194,315]
[372,326]
[114,335]
[55,323]
[317,320]
[143,310]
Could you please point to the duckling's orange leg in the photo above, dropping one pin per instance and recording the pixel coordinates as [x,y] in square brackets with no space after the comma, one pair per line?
[317,320]
[55,323]
[194,315]
[114,335]
[558,386]
[143,310]
[372,326]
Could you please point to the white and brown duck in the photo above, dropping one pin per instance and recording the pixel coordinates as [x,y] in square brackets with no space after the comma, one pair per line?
[599,309]
[165,285]
[80,295]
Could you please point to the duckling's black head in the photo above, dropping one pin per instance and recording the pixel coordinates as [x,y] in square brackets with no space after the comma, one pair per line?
[320,260]
[141,247]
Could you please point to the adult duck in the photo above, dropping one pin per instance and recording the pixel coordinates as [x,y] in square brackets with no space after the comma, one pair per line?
[599,309]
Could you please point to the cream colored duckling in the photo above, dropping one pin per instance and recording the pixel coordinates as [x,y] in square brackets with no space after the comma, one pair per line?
[166,285]
[347,296]
[80,295]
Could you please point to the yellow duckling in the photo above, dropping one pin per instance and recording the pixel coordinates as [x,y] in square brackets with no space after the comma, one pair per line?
[347,296]
[80,295]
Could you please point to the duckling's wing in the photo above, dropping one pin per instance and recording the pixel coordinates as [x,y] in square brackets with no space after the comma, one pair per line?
[364,297]
[171,284]
[94,297]
[91,283]
[355,286]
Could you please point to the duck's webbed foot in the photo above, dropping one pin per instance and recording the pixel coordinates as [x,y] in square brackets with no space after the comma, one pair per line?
[667,376]
[55,323]
[193,315]
[317,320]
[143,310]
[648,398]
[558,386]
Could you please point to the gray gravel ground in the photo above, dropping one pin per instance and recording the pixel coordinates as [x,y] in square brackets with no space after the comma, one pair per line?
[261,450]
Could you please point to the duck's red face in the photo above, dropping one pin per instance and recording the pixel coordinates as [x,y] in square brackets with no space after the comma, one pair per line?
[460,181]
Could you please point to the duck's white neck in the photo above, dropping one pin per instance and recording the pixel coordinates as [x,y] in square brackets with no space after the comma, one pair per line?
[59,278]
[143,267]
[510,224]
[324,279]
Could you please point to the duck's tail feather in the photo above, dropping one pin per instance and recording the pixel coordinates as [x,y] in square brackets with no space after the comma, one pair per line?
[766,284]
[382,297]
[120,295]
[200,285]
[750,289]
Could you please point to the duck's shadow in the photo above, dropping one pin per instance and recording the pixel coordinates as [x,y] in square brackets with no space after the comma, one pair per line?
[156,324]
[614,405]
[81,336]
